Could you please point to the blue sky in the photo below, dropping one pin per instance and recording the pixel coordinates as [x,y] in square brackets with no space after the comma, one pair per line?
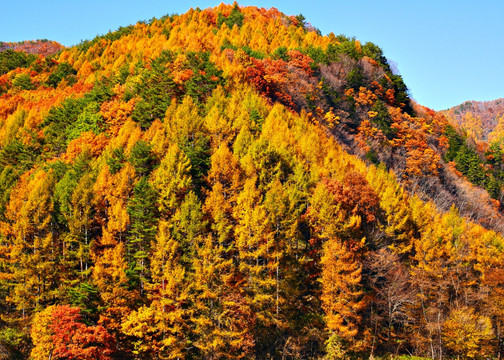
[447,51]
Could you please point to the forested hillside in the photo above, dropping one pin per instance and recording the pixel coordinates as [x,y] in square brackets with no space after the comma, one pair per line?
[482,120]
[39,47]
[229,183]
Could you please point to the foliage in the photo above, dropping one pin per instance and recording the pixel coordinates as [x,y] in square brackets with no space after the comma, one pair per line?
[62,71]
[142,230]
[58,333]
[195,76]
[180,188]
[235,17]
[110,37]
[10,60]
[465,332]
[469,163]
[23,82]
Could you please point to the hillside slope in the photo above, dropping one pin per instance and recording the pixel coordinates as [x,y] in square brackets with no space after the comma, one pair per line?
[229,183]
[478,118]
[38,47]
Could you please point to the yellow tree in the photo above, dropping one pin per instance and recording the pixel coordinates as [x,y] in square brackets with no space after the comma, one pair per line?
[172,179]
[112,192]
[342,295]
[183,123]
[467,334]
[438,270]
[222,318]
[225,170]
[34,251]
[160,329]
[41,334]
[400,227]
[109,276]
[186,128]
[259,256]
[81,221]
[225,181]
[472,125]
[493,282]
[218,125]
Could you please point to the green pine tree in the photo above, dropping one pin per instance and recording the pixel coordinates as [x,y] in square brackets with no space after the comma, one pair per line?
[143,214]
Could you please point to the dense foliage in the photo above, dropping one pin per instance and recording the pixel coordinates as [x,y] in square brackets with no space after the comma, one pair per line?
[183,189]
[482,120]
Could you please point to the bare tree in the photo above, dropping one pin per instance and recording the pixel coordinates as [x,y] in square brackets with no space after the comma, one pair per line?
[393,295]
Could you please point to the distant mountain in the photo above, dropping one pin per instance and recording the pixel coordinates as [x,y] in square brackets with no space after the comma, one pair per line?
[39,47]
[478,118]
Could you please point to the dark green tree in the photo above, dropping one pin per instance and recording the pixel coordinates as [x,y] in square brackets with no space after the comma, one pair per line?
[59,121]
[18,155]
[10,60]
[116,160]
[374,52]
[206,76]
[455,141]
[23,81]
[157,89]
[355,79]
[8,178]
[383,119]
[143,218]
[88,120]
[141,158]
[62,71]
[401,94]
[235,17]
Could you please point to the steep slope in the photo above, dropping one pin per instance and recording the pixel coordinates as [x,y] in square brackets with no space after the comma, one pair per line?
[229,183]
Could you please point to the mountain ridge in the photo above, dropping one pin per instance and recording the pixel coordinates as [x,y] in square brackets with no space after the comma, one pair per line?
[42,47]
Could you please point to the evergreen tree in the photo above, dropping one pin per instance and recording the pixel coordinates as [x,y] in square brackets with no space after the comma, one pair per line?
[143,215]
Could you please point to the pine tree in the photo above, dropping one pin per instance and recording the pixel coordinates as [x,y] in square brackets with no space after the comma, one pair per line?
[143,214]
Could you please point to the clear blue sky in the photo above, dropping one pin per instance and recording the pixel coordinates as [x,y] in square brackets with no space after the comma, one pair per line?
[446,51]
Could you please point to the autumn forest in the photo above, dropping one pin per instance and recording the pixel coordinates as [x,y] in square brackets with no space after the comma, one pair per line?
[231,184]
